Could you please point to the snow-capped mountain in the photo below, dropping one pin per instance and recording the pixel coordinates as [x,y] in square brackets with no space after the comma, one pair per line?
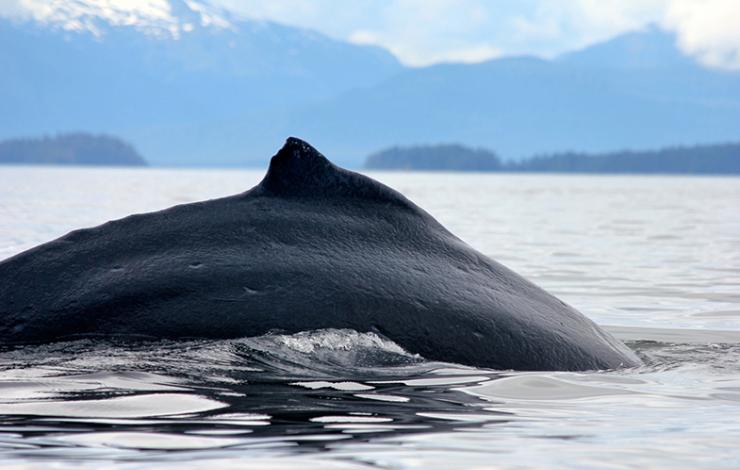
[150,70]
[160,18]
[190,84]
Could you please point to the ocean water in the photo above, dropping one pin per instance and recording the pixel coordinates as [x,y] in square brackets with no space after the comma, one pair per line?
[656,260]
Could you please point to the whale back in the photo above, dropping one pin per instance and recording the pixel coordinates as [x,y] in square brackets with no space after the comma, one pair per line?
[311,246]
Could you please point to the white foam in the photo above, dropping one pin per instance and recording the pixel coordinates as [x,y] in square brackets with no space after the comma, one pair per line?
[337,340]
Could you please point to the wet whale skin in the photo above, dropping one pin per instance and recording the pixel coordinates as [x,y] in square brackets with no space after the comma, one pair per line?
[312,246]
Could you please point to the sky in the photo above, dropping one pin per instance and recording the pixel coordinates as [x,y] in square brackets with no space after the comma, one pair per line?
[424,32]
[421,32]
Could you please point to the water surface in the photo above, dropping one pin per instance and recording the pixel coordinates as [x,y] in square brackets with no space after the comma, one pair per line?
[655,259]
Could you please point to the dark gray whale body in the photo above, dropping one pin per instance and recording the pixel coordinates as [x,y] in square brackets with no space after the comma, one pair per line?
[312,246]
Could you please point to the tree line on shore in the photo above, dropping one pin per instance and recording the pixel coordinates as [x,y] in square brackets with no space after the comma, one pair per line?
[70,149]
[698,159]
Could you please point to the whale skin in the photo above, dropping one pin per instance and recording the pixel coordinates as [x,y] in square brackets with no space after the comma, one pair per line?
[312,246]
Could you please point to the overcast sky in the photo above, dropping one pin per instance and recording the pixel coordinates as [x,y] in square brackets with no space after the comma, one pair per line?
[426,31]
[422,32]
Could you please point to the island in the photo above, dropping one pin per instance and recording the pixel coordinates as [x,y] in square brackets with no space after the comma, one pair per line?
[434,158]
[714,159]
[70,149]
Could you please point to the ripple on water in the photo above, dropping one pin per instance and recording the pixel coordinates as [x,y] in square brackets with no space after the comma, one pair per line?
[134,406]
[275,403]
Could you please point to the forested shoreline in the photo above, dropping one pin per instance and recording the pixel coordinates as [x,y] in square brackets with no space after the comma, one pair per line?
[698,159]
[70,149]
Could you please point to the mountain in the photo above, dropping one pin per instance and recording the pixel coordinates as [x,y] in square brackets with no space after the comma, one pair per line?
[650,48]
[167,80]
[635,91]
[192,85]
[70,149]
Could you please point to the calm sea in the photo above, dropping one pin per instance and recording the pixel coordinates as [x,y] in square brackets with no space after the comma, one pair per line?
[654,259]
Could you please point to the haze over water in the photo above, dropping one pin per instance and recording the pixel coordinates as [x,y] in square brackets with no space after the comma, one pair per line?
[655,259]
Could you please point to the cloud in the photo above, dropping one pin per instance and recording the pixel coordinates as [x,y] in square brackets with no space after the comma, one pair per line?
[471,54]
[708,30]
[552,27]
[422,32]
[416,56]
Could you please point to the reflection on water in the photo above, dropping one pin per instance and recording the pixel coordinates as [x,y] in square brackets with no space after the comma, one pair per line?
[657,258]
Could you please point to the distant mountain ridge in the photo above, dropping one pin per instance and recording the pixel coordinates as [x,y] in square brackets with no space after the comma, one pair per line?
[647,49]
[70,149]
[195,86]
[524,106]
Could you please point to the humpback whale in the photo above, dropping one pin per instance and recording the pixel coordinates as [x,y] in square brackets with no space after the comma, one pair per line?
[312,246]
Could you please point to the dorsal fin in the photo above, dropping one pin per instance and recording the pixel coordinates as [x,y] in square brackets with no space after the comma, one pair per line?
[299,170]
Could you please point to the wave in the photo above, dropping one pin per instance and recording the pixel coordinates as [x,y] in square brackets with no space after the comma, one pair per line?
[310,354]
[326,353]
